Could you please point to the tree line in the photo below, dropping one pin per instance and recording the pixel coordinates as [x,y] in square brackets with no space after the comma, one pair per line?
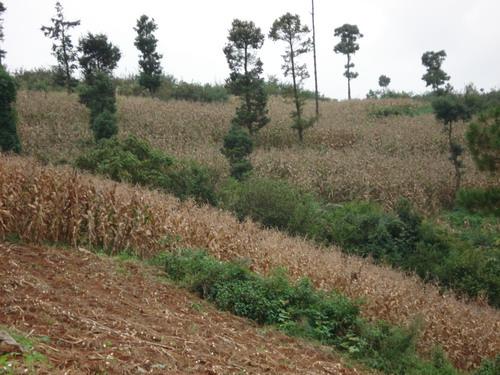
[97,58]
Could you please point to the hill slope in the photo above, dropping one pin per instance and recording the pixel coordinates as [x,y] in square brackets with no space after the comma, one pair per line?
[57,205]
[350,154]
[105,316]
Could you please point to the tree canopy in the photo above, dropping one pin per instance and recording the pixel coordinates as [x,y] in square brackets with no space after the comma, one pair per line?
[150,60]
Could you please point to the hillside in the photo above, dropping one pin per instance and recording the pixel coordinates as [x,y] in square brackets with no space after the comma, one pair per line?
[59,206]
[350,154]
[90,314]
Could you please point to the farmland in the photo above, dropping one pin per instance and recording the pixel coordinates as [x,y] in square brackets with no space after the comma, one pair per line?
[58,206]
[350,154]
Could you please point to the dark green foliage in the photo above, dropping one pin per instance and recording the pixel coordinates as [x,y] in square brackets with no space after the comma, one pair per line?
[435,76]
[97,54]
[483,139]
[299,309]
[146,43]
[465,259]
[244,40]
[104,125]
[2,11]
[486,201]
[41,79]
[98,94]
[62,47]
[450,109]
[273,203]
[9,140]
[384,81]
[237,148]
[489,367]
[134,161]
[288,29]
[401,110]
[170,89]
[349,35]
[98,59]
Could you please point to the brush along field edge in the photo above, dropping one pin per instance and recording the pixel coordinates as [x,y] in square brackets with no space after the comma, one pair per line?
[41,204]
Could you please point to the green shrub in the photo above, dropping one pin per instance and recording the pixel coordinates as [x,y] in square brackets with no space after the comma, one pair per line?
[489,367]
[9,140]
[401,110]
[301,310]
[274,203]
[98,94]
[485,201]
[135,161]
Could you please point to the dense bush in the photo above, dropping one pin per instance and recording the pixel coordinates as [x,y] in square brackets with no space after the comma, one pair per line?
[467,263]
[401,110]
[299,309]
[98,94]
[274,203]
[135,161]
[41,79]
[9,140]
[480,200]
[171,89]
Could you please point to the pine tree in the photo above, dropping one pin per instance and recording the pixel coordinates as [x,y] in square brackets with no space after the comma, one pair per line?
[349,34]
[9,140]
[150,60]
[2,11]
[243,42]
[62,47]
[288,28]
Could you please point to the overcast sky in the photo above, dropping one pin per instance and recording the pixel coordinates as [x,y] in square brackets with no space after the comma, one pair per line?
[192,34]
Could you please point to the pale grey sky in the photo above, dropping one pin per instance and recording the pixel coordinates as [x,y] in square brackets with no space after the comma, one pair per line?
[192,34]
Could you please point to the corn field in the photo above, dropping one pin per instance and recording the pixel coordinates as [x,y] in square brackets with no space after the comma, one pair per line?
[57,205]
[349,155]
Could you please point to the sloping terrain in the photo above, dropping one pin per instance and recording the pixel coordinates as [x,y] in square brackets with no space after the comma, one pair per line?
[60,206]
[104,316]
[350,154]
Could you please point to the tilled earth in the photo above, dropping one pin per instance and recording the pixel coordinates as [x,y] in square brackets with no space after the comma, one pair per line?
[98,315]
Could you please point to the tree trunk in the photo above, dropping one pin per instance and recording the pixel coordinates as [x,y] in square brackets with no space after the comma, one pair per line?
[348,77]
[296,92]
[315,64]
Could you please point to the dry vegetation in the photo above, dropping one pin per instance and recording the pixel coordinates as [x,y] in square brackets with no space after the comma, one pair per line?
[58,205]
[349,155]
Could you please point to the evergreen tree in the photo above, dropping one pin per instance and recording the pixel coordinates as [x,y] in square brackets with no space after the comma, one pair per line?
[146,43]
[384,81]
[9,140]
[62,46]
[237,148]
[435,76]
[2,11]
[483,139]
[288,28]
[97,54]
[98,60]
[349,34]
[450,109]
[243,41]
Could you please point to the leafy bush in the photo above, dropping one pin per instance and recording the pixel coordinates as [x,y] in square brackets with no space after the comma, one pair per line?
[9,140]
[485,201]
[135,161]
[170,89]
[489,367]
[301,310]
[273,203]
[401,110]
[41,79]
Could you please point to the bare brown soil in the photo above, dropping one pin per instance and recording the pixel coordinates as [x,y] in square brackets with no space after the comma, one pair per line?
[112,317]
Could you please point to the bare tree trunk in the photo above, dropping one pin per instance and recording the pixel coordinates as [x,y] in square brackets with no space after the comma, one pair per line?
[315,64]
[349,76]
